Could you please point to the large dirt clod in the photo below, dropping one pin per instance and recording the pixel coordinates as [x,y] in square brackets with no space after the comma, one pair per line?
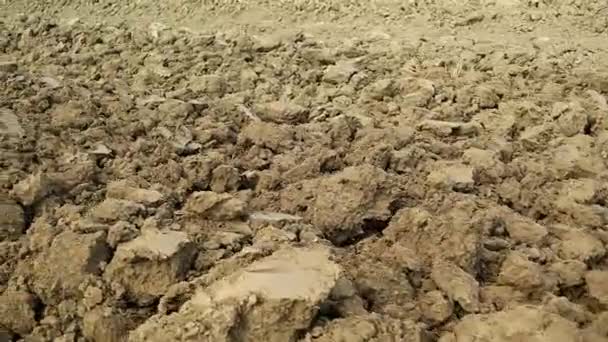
[272,300]
[148,265]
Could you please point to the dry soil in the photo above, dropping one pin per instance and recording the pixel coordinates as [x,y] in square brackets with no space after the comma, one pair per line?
[297,170]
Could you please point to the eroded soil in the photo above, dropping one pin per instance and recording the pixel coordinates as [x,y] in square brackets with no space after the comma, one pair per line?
[345,171]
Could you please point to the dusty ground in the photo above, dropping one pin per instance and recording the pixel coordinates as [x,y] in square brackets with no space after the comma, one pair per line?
[418,171]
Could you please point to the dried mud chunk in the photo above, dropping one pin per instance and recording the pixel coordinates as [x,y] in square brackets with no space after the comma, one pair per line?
[576,158]
[72,258]
[210,84]
[120,232]
[198,169]
[112,209]
[225,178]
[435,307]
[371,328]
[523,230]
[259,219]
[70,115]
[214,206]
[376,146]
[271,300]
[579,245]
[600,325]
[9,125]
[384,285]
[122,190]
[365,197]
[488,168]
[102,324]
[175,109]
[283,112]
[381,89]
[12,220]
[451,176]
[522,323]
[460,286]
[518,271]
[149,264]
[8,66]
[17,311]
[266,43]
[267,135]
[597,285]
[571,118]
[340,73]
[565,308]
[487,97]
[33,188]
[501,296]
[569,272]
[446,128]
[536,137]
[425,234]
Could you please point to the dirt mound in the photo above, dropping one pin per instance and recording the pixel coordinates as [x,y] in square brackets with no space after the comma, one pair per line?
[445,182]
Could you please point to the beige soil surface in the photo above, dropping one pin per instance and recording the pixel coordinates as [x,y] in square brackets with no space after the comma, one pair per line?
[306,171]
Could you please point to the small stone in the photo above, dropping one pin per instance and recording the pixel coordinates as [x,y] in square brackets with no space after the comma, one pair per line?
[597,285]
[460,286]
[102,324]
[12,220]
[17,311]
[111,210]
[579,245]
[213,206]
[275,297]
[435,307]
[518,271]
[225,178]
[451,176]
[33,188]
[149,264]
[569,272]
[121,190]
[283,112]
[340,73]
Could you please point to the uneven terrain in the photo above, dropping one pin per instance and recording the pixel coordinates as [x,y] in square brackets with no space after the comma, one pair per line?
[423,170]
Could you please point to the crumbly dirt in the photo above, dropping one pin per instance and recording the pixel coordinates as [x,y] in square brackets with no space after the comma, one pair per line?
[344,170]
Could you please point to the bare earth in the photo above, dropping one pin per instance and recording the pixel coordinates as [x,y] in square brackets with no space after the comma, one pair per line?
[312,171]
